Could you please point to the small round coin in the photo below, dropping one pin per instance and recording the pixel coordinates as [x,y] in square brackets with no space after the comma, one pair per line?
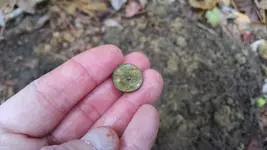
[127,78]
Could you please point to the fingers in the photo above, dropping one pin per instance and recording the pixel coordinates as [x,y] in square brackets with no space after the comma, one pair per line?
[122,111]
[142,130]
[40,106]
[97,139]
[11,141]
[81,117]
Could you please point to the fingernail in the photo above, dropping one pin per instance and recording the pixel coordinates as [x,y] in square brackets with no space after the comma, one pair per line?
[102,138]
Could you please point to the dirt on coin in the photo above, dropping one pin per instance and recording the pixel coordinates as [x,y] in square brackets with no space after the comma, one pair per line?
[209,79]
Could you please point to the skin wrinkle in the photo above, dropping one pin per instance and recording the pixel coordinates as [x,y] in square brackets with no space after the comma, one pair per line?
[87,70]
[62,94]
[134,136]
[90,100]
[67,127]
[54,140]
[47,98]
[4,129]
[130,146]
[85,114]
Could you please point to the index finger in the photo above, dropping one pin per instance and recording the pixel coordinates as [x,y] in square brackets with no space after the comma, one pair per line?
[40,106]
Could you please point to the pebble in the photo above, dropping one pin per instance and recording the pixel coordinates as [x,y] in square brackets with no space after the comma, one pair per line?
[264,88]
[181,41]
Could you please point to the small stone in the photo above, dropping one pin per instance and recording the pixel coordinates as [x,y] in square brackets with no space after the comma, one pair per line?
[179,119]
[96,39]
[181,41]
[127,78]
[68,37]
[222,116]
[117,4]
[65,45]
[47,48]
[56,34]
[264,88]
[241,59]
[172,65]
[31,63]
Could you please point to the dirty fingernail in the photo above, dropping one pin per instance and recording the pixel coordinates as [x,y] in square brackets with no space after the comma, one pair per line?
[102,138]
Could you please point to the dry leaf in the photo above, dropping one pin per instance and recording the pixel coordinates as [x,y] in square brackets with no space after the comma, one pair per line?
[2,20]
[226,2]
[3,3]
[203,4]
[112,23]
[117,4]
[28,5]
[86,6]
[249,8]
[143,3]
[241,18]
[132,9]
[242,21]
[67,6]
[263,4]
[97,5]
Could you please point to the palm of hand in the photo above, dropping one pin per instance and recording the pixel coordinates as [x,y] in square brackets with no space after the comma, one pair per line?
[79,96]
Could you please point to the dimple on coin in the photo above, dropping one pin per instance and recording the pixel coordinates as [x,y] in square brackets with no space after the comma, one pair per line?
[127,78]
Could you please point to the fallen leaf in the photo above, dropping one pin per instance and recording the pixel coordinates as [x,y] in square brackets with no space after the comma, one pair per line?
[242,21]
[117,4]
[143,3]
[86,6]
[263,4]
[254,145]
[247,37]
[241,18]
[67,6]
[3,3]
[132,9]
[28,5]
[203,4]
[97,5]
[261,102]
[254,46]
[42,20]
[213,17]
[226,2]
[10,91]
[111,23]
[249,8]
[2,19]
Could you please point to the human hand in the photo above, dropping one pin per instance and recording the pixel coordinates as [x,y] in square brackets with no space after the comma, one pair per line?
[77,107]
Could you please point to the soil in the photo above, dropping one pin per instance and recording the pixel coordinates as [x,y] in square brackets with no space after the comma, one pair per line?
[210,80]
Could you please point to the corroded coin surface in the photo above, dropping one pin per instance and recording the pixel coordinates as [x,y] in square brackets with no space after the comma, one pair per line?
[127,78]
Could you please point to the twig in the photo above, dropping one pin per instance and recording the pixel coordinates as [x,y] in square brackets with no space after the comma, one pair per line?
[202,26]
[2,31]
[13,14]
[233,3]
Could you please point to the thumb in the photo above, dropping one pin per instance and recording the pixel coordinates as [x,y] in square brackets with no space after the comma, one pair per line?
[102,138]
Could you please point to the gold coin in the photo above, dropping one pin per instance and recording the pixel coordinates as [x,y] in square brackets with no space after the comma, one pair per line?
[127,78]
